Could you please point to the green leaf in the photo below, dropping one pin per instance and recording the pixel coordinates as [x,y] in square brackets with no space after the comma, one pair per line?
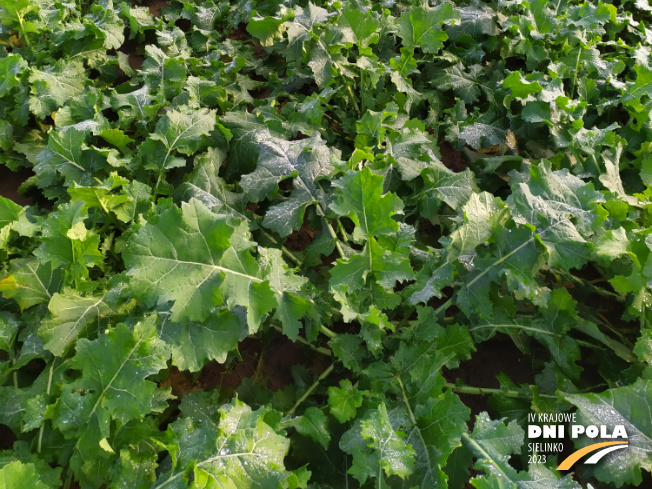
[430,282]
[13,14]
[165,73]
[15,475]
[11,67]
[375,445]
[373,261]
[66,241]
[515,257]
[477,19]
[620,406]
[642,86]
[267,29]
[112,386]
[437,419]
[9,212]
[363,25]
[611,178]
[115,367]
[239,448]
[643,348]
[195,344]
[592,18]
[443,185]
[300,28]
[72,316]
[306,161]
[492,442]
[562,207]
[519,86]
[313,423]
[31,282]
[135,470]
[105,22]
[54,86]
[104,197]
[360,197]
[198,260]
[181,130]
[421,27]
[117,138]
[67,155]
[551,327]
[139,105]
[302,34]
[204,184]
[344,400]
[462,79]
[482,213]
[9,326]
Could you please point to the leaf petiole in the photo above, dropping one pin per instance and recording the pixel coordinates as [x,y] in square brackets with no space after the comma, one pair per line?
[305,396]
[483,391]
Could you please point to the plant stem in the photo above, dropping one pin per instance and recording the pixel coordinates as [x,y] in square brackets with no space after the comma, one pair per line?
[590,285]
[22,29]
[303,341]
[482,391]
[158,182]
[305,396]
[470,441]
[413,418]
[322,214]
[444,306]
[330,333]
[577,65]
[284,250]
[291,256]
[15,373]
[342,231]
[68,481]
[355,103]
[47,392]
[406,401]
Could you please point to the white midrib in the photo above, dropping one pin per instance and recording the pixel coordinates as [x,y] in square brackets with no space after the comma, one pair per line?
[179,136]
[206,462]
[205,265]
[105,389]
[82,317]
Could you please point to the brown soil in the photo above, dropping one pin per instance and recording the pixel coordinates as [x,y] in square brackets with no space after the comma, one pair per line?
[492,357]
[451,158]
[156,5]
[181,382]
[269,365]
[328,261]
[281,355]
[301,239]
[259,52]
[9,183]
[428,233]
[281,103]
[217,376]
[260,93]
[7,438]
[299,136]
[240,34]
[136,61]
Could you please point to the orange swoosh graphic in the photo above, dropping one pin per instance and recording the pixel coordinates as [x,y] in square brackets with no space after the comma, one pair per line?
[575,456]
